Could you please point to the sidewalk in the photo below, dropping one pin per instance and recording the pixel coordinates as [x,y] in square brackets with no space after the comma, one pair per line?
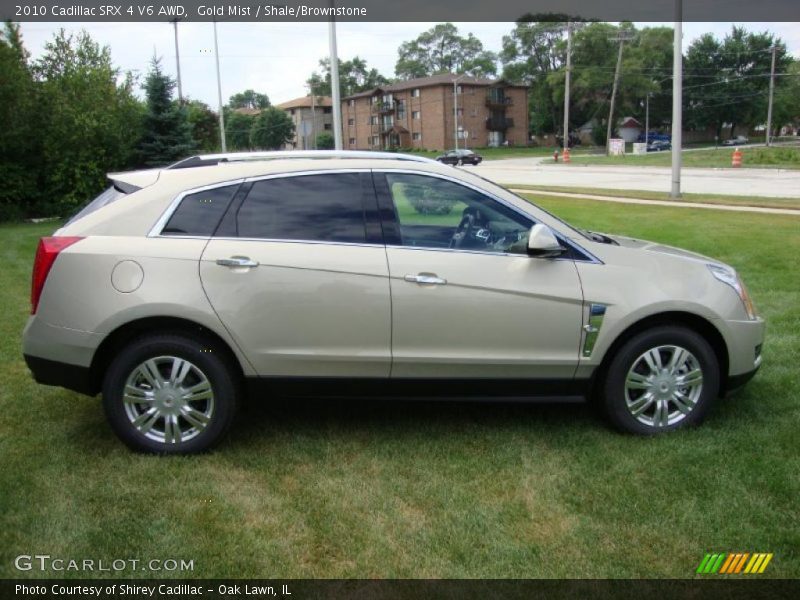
[729,207]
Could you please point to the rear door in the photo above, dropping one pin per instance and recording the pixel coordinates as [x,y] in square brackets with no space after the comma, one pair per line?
[297,273]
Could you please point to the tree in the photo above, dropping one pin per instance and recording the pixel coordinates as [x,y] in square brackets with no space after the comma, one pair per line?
[325,141]
[354,77]
[442,50]
[90,123]
[727,82]
[204,123]
[249,99]
[237,129]
[19,144]
[167,135]
[272,129]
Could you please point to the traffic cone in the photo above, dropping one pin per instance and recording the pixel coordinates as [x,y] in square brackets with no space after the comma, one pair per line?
[737,158]
[566,155]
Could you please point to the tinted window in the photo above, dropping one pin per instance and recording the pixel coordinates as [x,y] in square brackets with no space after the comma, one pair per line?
[325,208]
[110,195]
[199,213]
[436,213]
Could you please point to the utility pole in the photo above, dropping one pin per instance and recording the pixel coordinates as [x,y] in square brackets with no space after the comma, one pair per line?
[335,91]
[178,61]
[455,107]
[219,94]
[314,117]
[771,92]
[566,85]
[622,38]
[677,100]
[646,118]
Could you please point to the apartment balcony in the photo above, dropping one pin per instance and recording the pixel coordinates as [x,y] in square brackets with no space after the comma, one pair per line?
[383,108]
[498,102]
[499,123]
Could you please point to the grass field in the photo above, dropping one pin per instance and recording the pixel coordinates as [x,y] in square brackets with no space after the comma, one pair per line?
[775,157]
[762,201]
[360,489]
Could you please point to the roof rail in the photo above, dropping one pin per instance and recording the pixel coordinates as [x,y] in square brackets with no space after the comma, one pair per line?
[207,160]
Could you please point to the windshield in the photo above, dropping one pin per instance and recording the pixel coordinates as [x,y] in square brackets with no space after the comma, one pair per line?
[108,196]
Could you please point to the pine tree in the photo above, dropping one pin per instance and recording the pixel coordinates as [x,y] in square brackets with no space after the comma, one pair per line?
[167,132]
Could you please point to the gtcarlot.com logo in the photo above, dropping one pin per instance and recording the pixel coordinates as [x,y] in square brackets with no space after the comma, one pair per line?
[741,563]
[45,562]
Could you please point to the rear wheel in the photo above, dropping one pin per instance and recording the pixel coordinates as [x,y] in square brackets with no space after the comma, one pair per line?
[170,394]
[661,379]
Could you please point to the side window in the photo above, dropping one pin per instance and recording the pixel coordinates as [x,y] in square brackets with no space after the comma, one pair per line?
[327,208]
[436,213]
[198,214]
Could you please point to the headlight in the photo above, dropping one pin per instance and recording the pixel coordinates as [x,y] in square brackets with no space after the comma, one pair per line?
[729,276]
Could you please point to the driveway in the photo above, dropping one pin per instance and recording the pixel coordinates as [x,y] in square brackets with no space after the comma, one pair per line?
[777,183]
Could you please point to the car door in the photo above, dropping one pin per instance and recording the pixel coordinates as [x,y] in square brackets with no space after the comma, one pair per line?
[297,273]
[467,300]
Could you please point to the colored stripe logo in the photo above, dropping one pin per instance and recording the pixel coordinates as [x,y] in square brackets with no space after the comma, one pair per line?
[734,563]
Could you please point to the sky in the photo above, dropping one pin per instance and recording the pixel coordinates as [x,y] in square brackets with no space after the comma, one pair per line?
[277,58]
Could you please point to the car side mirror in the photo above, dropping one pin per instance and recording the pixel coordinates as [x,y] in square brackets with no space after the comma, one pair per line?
[542,242]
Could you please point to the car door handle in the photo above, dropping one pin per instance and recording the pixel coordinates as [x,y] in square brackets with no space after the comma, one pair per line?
[237,261]
[425,279]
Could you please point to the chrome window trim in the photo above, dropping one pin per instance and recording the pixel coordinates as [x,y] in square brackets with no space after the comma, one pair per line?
[155,231]
[561,237]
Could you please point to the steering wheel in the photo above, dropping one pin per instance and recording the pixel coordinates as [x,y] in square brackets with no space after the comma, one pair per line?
[463,230]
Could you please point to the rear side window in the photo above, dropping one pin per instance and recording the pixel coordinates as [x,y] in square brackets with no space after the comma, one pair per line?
[327,208]
[108,196]
[198,214]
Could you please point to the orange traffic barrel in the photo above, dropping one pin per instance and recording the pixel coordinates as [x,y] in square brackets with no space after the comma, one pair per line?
[737,158]
[566,155]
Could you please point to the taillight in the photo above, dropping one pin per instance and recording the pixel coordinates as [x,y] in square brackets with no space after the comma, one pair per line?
[46,254]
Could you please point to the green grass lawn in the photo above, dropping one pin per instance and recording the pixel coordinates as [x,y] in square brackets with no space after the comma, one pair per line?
[362,489]
[762,201]
[778,157]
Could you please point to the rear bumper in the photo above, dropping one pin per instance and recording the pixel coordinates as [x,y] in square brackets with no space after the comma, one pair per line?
[71,377]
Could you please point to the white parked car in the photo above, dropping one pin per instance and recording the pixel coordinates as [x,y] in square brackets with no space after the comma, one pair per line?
[178,291]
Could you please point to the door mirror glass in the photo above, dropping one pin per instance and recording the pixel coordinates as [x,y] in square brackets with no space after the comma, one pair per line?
[542,242]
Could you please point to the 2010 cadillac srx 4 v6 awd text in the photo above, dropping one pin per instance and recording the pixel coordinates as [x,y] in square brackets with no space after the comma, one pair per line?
[179,290]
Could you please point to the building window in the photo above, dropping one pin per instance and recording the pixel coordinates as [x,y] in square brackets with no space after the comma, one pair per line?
[352,141]
[415,93]
[373,120]
[351,102]
[327,110]
[327,127]
[458,89]
[351,122]
[401,109]
[416,136]
[292,112]
[460,112]
[374,99]
[375,140]
[415,115]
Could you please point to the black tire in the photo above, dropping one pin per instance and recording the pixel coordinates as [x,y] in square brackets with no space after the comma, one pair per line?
[207,361]
[614,396]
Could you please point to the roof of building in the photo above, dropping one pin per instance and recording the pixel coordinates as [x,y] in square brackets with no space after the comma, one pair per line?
[630,122]
[305,102]
[441,79]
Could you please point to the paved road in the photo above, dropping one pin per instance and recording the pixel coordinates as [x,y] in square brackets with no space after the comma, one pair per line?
[777,183]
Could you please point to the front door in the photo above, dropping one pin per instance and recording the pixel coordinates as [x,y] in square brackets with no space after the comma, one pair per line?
[467,300]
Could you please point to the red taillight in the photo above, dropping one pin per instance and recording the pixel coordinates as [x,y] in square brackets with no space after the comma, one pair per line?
[46,255]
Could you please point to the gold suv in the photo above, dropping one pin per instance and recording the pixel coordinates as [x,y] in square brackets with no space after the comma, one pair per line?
[179,290]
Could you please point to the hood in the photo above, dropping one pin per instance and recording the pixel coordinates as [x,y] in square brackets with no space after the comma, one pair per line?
[657,248]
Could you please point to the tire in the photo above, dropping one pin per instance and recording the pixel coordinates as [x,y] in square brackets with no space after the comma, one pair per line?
[144,368]
[643,394]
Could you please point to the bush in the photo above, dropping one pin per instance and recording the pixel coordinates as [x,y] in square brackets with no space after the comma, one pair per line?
[599,135]
[325,141]
[426,201]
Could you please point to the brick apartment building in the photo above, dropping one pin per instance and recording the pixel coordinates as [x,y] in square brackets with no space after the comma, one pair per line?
[419,113]
[311,116]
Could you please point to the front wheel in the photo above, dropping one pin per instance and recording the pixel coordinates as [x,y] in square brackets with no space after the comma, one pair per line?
[662,379]
[170,394]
